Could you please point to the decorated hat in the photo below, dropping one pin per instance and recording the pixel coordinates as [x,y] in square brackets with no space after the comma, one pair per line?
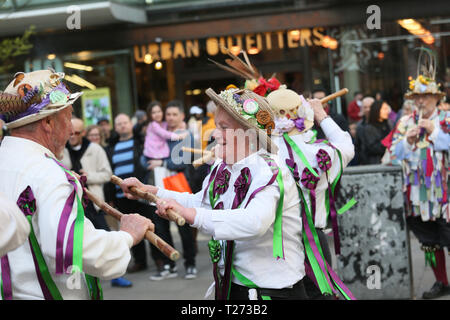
[425,81]
[293,113]
[249,109]
[254,81]
[33,96]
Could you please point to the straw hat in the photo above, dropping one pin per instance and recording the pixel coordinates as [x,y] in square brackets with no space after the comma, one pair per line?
[33,96]
[425,82]
[251,111]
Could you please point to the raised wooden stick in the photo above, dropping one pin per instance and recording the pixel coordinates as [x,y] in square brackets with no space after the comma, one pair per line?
[334,95]
[159,243]
[195,151]
[171,214]
[207,157]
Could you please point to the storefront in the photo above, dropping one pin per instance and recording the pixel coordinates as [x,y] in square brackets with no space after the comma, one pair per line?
[326,47]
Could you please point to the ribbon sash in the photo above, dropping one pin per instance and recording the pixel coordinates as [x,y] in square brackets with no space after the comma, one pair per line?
[74,246]
[223,290]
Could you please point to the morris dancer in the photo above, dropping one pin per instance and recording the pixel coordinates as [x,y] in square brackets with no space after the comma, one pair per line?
[300,151]
[422,141]
[248,204]
[317,167]
[37,107]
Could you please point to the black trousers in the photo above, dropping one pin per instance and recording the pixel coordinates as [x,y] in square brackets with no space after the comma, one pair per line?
[127,206]
[311,289]
[187,240]
[297,292]
[430,233]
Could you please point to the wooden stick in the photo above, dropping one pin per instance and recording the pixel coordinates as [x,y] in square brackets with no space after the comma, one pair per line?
[159,243]
[334,95]
[195,151]
[171,214]
[207,157]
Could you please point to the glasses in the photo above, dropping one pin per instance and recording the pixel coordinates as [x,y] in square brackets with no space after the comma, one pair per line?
[76,133]
[94,135]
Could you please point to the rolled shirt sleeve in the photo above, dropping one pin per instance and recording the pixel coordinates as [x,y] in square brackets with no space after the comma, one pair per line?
[240,224]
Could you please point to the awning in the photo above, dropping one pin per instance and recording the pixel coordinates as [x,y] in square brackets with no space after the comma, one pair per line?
[56,17]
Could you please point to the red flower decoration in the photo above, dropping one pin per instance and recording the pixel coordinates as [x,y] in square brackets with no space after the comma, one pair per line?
[266,86]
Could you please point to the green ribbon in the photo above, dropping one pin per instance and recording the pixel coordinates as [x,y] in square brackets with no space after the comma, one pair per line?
[78,231]
[42,264]
[246,282]
[214,250]
[300,154]
[94,286]
[277,227]
[212,199]
[430,258]
[347,206]
[314,137]
[321,277]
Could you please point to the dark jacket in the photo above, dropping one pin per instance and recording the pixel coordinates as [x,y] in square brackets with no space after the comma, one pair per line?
[372,147]
[360,152]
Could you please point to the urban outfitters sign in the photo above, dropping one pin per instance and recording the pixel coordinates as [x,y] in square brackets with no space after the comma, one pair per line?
[252,43]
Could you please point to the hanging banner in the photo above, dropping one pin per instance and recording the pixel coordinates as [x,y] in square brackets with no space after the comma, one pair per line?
[96,104]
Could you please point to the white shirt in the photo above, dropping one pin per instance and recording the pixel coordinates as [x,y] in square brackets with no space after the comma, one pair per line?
[105,254]
[252,228]
[338,138]
[14,227]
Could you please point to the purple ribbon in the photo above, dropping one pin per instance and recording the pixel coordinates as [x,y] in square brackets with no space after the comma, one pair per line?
[324,163]
[314,248]
[64,261]
[416,177]
[438,178]
[323,160]
[35,108]
[62,225]
[334,222]
[221,182]
[219,206]
[300,124]
[6,278]
[27,204]
[309,180]
[241,186]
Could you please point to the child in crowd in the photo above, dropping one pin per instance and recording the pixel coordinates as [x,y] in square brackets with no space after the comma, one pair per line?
[155,145]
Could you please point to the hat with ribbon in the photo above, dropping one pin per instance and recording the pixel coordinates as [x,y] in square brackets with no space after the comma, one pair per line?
[425,81]
[33,96]
[250,110]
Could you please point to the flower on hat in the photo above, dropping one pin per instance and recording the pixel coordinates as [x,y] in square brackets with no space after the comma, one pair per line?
[266,86]
[249,110]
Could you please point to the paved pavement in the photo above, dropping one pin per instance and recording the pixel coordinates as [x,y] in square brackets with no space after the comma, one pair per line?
[181,289]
